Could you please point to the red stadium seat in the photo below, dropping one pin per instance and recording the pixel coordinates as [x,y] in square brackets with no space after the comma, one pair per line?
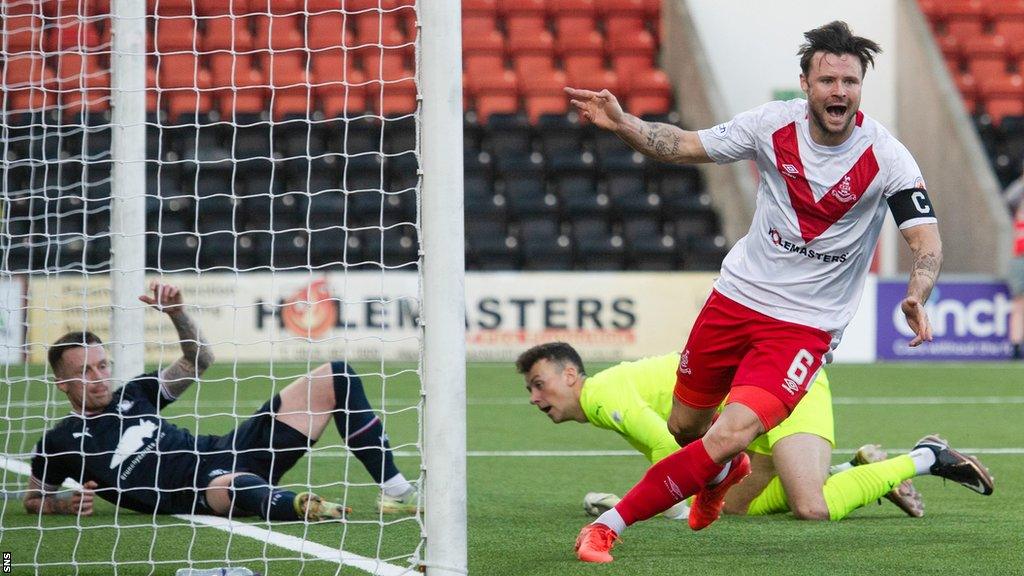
[540,83]
[963,18]
[81,70]
[489,104]
[559,8]
[340,86]
[518,7]
[30,99]
[279,32]
[630,7]
[379,28]
[173,34]
[626,66]
[583,64]
[533,64]
[597,80]
[579,42]
[72,33]
[524,40]
[481,34]
[223,7]
[985,55]
[949,45]
[57,8]
[1007,17]
[240,89]
[652,10]
[645,104]
[638,44]
[327,30]
[483,64]
[537,106]
[1003,96]
[479,7]
[169,7]
[228,33]
[318,6]
[22,33]
[23,70]
[177,70]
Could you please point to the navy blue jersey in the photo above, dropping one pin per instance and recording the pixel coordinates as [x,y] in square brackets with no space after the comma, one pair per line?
[139,460]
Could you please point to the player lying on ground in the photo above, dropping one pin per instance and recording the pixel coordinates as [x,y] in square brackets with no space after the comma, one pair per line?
[828,174]
[116,444]
[790,464]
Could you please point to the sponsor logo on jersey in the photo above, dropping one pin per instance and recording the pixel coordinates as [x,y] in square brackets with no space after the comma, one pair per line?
[722,129]
[132,439]
[125,405]
[790,170]
[684,362]
[217,472]
[790,386]
[776,237]
[84,433]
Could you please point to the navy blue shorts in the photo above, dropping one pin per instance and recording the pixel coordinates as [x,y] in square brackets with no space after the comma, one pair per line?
[261,446]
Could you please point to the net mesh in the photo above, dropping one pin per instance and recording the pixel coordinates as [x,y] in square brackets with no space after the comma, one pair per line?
[281,196]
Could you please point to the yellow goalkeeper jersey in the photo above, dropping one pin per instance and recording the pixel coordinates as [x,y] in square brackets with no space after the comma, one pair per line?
[635,398]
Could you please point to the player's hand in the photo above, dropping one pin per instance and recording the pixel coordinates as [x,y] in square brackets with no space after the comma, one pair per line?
[917,319]
[166,298]
[81,502]
[602,108]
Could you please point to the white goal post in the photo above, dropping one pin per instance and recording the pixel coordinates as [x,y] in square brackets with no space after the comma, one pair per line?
[261,313]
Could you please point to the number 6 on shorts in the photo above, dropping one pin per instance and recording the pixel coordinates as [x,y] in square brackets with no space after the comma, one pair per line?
[798,370]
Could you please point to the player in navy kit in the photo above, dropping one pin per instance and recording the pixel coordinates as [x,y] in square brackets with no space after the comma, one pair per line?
[116,445]
[787,290]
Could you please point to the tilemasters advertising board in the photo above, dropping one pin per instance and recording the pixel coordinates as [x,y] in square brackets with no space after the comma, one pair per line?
[970,320]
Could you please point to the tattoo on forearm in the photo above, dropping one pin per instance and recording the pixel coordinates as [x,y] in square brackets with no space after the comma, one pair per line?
[196,355]
[923,274]
[662,143]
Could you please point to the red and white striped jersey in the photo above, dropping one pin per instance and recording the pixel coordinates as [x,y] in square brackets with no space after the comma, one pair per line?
[819,212]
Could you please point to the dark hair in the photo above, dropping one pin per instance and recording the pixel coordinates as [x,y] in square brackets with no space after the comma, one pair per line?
[67,342]
[837,38]
[560,352]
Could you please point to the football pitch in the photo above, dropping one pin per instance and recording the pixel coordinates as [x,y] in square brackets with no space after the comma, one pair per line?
[527,478]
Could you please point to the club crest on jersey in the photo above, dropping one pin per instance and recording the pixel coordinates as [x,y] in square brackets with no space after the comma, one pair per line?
[842,191]
[721,129]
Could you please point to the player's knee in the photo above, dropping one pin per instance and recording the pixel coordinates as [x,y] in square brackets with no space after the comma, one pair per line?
[811,511]
[686,431]
[730,440]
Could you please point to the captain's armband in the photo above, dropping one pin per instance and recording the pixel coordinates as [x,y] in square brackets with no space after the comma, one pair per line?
[911,207]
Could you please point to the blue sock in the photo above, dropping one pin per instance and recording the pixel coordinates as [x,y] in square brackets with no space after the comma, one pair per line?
[253,495]
[360,426]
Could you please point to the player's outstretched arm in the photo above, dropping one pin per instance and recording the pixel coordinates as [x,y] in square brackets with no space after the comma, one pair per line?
[196,355]
[926,246]
[660,141]
[73,502]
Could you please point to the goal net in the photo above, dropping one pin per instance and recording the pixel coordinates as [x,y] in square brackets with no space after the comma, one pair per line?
[268,158]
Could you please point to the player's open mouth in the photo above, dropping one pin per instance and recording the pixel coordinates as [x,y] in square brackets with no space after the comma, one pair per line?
[546,409]
[836,111]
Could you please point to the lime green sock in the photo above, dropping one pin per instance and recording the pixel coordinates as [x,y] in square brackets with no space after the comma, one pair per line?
[861,485]
[771,500]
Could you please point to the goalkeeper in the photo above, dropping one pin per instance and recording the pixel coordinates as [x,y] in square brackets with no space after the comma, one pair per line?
[790,464]
[118,447]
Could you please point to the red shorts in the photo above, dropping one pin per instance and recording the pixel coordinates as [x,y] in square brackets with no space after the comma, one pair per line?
[767,364]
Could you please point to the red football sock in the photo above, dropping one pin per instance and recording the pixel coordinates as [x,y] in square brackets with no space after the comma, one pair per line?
[678,476]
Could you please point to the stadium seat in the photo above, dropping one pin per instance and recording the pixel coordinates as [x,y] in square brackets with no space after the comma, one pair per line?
[379,29]
[174,34]
[508,8]
[634,8]
[228,34]
[490,248]
[583,8]
[1003,96]
[486,8]
[223,7]
[704,253]
[596,247]
[544,246]
[986,55]
[481,34]
[963,18]
[648,247]
[340,87]
[22,33]
[169,7]
[1007,17]
[638,44]
[507,135]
